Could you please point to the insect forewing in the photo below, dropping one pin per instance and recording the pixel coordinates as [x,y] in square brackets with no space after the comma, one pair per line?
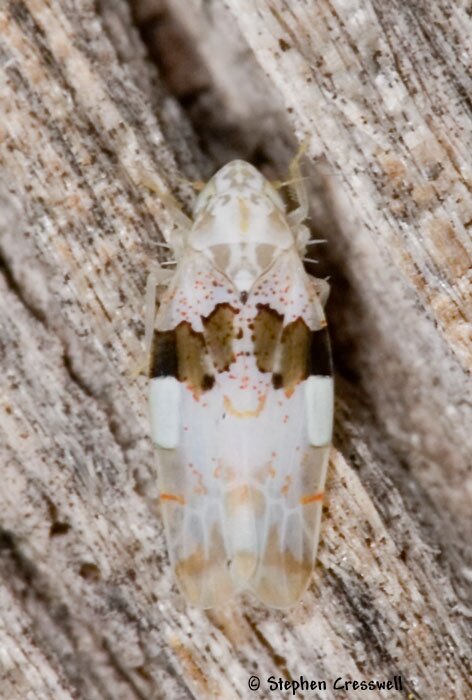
[244,412]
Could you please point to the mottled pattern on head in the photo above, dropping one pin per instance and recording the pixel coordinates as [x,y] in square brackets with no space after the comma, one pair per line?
[240,224]
[237,179]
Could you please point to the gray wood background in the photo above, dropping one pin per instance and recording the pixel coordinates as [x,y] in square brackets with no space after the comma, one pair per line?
[91,93]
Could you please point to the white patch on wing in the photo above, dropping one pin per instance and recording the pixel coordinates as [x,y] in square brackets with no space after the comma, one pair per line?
[164,408]
[319,401]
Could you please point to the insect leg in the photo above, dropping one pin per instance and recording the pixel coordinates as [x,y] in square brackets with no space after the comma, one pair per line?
[158,277]
[149,180]
[297,188]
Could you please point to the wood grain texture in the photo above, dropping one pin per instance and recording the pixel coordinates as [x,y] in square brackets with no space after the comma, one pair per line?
[382,92]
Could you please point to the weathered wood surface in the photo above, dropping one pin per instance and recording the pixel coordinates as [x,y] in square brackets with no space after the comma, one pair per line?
[382,90]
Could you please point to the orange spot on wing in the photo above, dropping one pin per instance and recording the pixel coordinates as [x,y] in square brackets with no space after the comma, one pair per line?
[200,487]
[173,497]
[312,498]
[244,414]
[243,495]
[229,474]
[285,488]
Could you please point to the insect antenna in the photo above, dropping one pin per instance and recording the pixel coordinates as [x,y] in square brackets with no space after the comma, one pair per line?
[278,184]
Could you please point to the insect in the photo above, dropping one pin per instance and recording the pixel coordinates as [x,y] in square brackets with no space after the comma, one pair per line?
[241,395]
